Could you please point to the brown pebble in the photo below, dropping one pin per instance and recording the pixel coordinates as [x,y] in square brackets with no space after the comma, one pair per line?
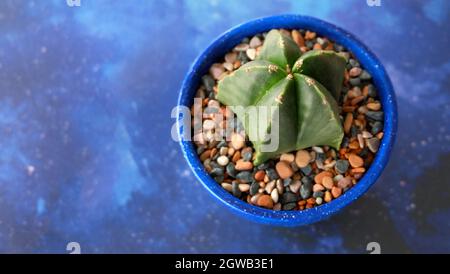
[284,170]
[309,35]
[259,176]
[302,158]
[243,165]
[327,198]
[319,177]
[236,156]
[327,182]
[336,192]
[205,155]
[317,46]
[358,170]
[298,38]
[348,122]
[231,57]
[287,157]
[354,92]
[318,187]
[265,201]
[311,201]
[355,160]
[357,100]
[374,106]
[216,70]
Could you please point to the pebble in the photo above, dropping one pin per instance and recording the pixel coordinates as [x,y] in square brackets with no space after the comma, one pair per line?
[374,106]
[244,176]
[318,149]
[244,187]
[280,186]
[360,140]
[235,190]
[259,175]
[309,35]
[355,72]
[231,170]
[228,187]
[318,194]
[288,197]
[354,63]
[236,156]
[295,186]
[372,92]
[243,165]
[302,158]
[348,122]
[223,151]
[265,201]
[376,128]
[344,182]
[365,75]
[336,192]
[375,115]
[341,166]
[237,141]
[355,160]
[216,70]
[272,174]
[327,197]
[319,177]
[269,187]
[366,134]
[373,144]
[287,157]
[255,42]
[305,191]
[354,92]
[327,182]
[306,170]
[254,199]
[223,160]
[355,81]
[216,172]
[228,66]
[254,187]
[241,47]
[208,82]
[318,187]
[319,200]
[274,195]
[208,125]
[251,53]
[289,206]
[247,155]
[284,170]
[231,57]
[277,207]
[298,38]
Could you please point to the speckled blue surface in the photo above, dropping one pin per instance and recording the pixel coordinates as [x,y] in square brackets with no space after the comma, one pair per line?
[85,150]
[225,44]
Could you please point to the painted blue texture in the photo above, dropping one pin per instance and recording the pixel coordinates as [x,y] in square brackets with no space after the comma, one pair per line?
[86,155]
[225,44]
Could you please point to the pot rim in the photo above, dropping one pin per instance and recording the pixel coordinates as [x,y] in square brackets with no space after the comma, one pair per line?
[223,44]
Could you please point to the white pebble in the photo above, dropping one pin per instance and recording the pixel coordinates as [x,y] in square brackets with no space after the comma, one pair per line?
[244,187]
[318,149]
[223,160]
[274,195]
[208,124]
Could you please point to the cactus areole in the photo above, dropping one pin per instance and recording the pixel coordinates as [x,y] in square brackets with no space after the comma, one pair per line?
[302,89]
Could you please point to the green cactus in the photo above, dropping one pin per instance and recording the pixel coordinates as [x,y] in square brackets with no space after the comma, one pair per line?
[304,88]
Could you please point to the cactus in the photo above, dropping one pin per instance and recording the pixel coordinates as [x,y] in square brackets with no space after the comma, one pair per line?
[304,88]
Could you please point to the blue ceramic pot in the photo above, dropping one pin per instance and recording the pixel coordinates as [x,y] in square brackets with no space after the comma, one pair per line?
[223,45]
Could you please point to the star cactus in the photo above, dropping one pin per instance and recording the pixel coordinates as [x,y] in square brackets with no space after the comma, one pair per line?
[303,88]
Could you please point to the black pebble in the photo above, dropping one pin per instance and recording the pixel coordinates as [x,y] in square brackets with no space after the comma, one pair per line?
[289,206]
[235,190]
[244,176]
[288,197]
[306,170]
[254,187]
[375,115]
[208,82]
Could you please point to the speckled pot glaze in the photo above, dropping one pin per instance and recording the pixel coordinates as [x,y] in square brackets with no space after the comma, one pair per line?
[369,61]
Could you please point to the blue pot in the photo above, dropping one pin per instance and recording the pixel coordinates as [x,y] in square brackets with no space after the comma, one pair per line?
[223,45]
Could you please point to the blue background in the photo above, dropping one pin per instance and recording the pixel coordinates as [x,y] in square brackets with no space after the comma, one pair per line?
[86,95]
